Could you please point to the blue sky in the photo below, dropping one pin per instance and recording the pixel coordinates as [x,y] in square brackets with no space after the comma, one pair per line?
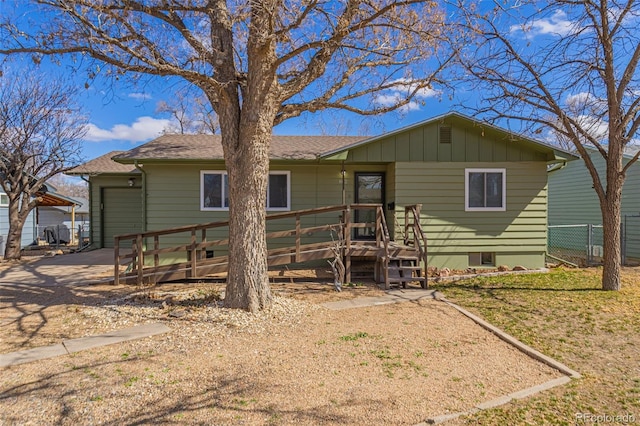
[125,117]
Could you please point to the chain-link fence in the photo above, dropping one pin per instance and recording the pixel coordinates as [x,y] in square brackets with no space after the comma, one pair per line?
[577,244]
[631,240]
[582,245]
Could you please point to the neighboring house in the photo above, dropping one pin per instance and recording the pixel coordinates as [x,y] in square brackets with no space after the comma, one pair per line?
[30,230]
[573,201]
[74,218]
[483,189]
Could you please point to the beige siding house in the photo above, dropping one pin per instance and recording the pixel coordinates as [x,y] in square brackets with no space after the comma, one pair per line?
[483,190]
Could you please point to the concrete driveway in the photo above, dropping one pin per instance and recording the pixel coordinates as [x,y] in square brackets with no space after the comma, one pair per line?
[65,269]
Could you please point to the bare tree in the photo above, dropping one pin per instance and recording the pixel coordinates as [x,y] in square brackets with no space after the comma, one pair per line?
[258,63]
[570,67]
[69,186]
[40,132]
[190,114]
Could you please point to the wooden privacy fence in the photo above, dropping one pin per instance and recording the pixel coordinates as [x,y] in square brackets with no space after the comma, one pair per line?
[194,258]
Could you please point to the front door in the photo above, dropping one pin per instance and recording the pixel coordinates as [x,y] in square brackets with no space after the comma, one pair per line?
[369,190]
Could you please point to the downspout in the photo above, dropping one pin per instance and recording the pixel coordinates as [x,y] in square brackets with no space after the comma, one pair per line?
[143,195]
[343,172]
[91,218]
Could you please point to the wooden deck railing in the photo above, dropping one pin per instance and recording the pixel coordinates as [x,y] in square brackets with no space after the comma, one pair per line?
[413,233]
[144,259]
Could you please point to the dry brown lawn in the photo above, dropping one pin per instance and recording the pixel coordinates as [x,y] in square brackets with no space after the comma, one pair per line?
[298,363]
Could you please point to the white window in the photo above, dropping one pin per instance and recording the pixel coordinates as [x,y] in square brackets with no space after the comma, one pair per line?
[485,190]
[4,200]
[279,191]
[214,190]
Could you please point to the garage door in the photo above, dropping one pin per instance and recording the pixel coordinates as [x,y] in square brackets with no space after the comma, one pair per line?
[121,213]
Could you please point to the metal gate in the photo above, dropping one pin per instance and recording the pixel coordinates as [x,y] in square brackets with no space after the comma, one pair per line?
[631,240]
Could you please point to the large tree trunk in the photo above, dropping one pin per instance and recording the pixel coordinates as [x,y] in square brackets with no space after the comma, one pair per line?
[247,162]
[611,235]
[247,278]
[611,208]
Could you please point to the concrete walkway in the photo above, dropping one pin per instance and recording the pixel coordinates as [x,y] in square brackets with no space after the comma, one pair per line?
[392,296]
[70,346]
[65,269]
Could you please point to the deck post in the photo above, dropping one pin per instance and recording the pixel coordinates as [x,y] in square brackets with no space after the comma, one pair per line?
[298,237]
[116,261]
[140,257]
[203,248]
[378,226]
[156,246]
[347,244]
[193,254]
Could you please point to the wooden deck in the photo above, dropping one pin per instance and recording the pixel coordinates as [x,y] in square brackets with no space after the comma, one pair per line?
[395,262]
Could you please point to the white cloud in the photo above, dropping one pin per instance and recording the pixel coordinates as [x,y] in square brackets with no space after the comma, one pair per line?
[597,128]
[579,100]
[402,89]
[141,96]
[144,128]
[556,24]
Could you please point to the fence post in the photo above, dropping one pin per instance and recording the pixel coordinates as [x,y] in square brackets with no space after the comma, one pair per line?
[589,244]
[623,241]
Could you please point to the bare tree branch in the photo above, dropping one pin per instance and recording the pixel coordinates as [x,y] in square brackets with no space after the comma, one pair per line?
[40,133]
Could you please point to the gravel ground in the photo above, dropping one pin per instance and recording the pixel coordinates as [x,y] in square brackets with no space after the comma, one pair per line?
[297,363]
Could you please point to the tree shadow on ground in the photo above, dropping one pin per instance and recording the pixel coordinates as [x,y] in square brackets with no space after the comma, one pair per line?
[222,399]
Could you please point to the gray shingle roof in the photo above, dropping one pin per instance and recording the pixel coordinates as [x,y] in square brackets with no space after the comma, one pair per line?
[209,147]
[103,164]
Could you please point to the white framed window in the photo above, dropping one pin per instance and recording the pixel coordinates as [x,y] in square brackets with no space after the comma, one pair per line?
[214,190]
[279,191]
[485,190]
[4,200]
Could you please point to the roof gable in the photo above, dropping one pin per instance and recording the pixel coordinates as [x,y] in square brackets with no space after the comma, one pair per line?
[450,137]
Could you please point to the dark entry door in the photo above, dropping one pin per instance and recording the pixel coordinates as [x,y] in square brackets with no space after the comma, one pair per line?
[369,190]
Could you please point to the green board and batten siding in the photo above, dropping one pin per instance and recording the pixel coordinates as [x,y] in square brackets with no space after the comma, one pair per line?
[423,144]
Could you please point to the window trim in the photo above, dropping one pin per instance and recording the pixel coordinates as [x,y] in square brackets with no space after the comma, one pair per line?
[1,197]
[287,208]
[503,208]
[223,173]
